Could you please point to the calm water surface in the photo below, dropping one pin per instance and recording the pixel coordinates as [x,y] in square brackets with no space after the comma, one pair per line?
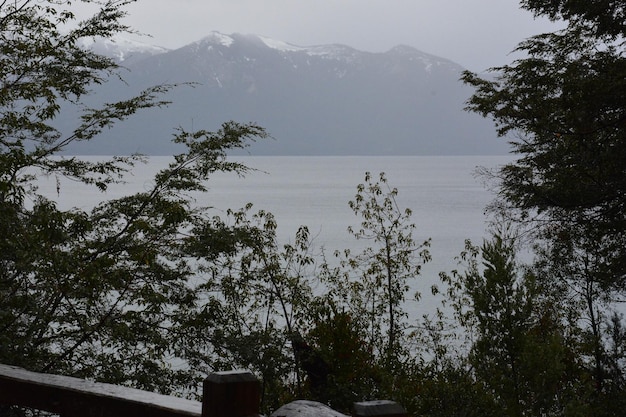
[447,200]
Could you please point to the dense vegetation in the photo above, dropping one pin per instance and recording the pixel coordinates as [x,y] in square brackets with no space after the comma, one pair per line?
[154,292]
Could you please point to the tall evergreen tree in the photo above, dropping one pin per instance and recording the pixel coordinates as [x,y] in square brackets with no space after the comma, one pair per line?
[564,103]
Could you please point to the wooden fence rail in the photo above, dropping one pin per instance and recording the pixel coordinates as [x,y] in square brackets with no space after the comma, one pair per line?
[227,394]
[224,394]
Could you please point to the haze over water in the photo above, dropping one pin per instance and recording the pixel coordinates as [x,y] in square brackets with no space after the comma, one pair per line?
[446,199]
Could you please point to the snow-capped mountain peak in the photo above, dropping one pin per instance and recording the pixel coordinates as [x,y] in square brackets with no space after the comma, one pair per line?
[218,38]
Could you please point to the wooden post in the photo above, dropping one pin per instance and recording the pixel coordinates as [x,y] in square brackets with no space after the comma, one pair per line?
[381,408]
[231,394]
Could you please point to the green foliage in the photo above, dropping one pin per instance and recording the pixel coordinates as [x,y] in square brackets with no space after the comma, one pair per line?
[42,66]
[99,294]
[566,103]
[524,353]
[252,297]
[374,282]
[601,17]
[354,373]
[452,392]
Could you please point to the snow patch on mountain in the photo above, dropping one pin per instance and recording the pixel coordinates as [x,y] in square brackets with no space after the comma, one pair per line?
[280,45]
[329,52]
[217,38]
[121,48]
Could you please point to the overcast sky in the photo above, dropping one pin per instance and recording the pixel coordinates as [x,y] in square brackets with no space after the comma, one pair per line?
[474,33]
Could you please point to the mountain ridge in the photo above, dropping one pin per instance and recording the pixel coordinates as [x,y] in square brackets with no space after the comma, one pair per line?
[314,100]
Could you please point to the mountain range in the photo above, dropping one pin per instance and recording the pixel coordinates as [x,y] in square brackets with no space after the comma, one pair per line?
[316,100]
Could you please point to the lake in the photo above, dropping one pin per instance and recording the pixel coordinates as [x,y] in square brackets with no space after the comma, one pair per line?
[447,201]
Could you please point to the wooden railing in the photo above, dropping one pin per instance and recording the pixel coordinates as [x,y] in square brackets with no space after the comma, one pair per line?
[224,394]
[232,394]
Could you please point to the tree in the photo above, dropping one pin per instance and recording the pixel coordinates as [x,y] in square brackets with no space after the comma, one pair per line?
[501,305]
[374,282]
[566,102]
[252,303]
[600,17]
[353,373]
[98,294]
[520,352]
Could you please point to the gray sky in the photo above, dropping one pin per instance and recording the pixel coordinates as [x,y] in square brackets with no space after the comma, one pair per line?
[474,33]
